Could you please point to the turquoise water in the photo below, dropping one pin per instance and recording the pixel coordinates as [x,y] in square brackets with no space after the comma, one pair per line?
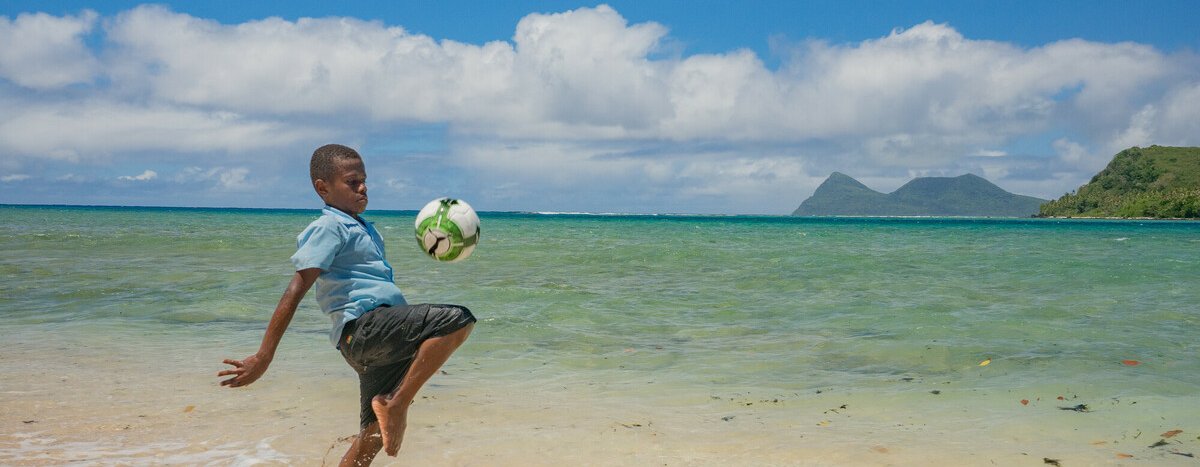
[675,314]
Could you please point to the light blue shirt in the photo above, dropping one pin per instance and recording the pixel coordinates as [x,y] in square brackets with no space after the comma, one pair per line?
[355,275]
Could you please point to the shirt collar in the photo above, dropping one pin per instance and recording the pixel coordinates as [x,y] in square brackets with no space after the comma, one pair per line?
[344,217]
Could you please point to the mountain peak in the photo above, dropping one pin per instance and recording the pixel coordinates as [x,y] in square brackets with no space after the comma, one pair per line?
[837,179]
[964,195]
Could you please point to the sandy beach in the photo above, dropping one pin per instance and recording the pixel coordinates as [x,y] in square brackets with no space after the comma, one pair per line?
[110,411]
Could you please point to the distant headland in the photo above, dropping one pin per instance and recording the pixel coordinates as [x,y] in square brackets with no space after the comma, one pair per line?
[1155,182]
[965,195]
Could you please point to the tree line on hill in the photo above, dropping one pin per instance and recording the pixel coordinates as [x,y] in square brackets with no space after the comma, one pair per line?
[1154,182]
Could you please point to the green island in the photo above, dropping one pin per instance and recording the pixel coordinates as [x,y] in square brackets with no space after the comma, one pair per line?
[964,195]
[1156,182]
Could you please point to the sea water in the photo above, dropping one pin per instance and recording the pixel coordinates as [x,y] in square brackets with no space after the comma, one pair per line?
[617,340]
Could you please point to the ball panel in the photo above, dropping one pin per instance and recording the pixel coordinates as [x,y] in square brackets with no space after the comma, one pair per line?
[464,216]
[447,229]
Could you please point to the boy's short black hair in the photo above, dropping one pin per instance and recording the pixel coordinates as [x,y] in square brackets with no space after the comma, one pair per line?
[325,158]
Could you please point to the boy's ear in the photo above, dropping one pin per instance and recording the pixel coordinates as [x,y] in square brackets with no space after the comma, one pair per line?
[321,187]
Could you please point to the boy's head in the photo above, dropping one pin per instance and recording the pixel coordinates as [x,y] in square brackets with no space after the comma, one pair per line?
[340,178]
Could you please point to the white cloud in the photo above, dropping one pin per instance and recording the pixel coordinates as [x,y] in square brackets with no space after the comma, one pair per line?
[995,172]
[41,51]
[743,178]
[1078,162]
[70,177]
[990,153]
[1069,151]
[587,74]
[562,107]
[397,184]
[14,178]
[581,70]
[1140,131]
[589,68]
[143,177]
[673,179]
[100,127]
[232,179]
[1172,121]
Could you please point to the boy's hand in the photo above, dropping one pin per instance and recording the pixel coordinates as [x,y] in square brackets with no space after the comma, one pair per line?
[244,372]
[249,370]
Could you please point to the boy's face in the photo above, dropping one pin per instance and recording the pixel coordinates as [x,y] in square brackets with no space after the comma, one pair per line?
[347,190]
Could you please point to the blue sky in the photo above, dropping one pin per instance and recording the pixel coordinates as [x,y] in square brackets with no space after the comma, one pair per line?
[697,106]
[713,26]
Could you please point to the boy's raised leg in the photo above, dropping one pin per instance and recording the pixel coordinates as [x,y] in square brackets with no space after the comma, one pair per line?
[392,409]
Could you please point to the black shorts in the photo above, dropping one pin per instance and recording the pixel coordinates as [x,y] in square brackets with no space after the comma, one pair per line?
[380,345]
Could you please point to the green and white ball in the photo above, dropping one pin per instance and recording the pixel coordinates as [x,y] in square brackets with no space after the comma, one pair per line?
[447,229]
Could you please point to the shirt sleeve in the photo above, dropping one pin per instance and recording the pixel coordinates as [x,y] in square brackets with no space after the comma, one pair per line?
[316,247]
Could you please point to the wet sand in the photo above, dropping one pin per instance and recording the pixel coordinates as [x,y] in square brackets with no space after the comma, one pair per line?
[111,403]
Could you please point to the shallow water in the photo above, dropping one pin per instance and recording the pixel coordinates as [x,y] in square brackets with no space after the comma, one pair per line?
[617,340]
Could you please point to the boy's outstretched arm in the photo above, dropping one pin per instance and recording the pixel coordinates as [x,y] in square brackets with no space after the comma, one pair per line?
[248,370]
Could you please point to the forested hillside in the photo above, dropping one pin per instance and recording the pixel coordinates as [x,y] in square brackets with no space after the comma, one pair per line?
[1155,182]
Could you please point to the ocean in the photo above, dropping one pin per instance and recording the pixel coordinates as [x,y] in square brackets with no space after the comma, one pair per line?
[617,340]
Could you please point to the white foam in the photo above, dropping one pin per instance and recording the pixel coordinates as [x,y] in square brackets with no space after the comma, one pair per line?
[37,447]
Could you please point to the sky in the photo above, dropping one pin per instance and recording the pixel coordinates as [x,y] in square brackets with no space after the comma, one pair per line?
[706,107]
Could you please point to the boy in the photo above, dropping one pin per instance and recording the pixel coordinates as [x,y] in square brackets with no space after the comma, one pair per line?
[394,347]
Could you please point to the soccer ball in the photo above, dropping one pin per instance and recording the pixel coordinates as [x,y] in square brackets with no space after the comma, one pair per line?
[447,229]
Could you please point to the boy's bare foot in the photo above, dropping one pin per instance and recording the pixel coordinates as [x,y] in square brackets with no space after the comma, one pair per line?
[391,424]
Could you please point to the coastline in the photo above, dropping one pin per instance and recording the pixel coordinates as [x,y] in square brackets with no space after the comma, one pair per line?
[303,412]
[1122,218]
[390,212]
[761,341]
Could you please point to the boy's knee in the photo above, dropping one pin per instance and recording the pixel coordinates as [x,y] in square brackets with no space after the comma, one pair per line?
[463,313]
[460,335]
[460,315]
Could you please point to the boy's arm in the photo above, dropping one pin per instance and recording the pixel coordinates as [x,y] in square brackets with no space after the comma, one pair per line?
[248,370]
